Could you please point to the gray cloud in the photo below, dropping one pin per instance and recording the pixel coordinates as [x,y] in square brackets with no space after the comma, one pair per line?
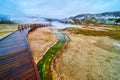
[58,8]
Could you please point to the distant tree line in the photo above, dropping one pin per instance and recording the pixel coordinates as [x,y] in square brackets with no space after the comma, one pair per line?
[117,20]
[94,21]
[5,20]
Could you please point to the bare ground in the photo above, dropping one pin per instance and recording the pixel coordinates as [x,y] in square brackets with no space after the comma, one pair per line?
[86,57]
[40,40]
[89,58]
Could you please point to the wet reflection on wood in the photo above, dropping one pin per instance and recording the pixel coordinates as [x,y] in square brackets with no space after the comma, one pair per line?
[16,61]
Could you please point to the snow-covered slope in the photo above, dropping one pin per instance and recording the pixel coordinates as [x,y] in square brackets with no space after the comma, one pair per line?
[102,18]
[105,18]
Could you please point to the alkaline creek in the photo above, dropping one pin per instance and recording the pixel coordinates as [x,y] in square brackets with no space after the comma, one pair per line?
[44,65]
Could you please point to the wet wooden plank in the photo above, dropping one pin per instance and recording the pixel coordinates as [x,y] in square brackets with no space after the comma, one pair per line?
[16,69]
[16,61]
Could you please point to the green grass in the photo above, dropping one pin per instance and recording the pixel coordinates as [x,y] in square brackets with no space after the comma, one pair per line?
[44,65]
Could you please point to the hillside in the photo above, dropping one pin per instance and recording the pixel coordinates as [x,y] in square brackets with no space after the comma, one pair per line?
[100,18]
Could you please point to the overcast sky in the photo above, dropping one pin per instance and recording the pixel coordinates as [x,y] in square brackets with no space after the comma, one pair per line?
[57,8]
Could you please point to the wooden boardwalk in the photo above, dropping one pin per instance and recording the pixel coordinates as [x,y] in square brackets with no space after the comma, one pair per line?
[16,61]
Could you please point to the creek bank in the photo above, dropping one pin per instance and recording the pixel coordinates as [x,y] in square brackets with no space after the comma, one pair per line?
[44,65]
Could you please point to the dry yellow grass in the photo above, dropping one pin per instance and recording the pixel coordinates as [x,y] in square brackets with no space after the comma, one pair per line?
[40,40]
[89,58]
[6,29]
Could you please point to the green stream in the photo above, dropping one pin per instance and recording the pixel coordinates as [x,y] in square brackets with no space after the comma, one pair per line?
[44,65]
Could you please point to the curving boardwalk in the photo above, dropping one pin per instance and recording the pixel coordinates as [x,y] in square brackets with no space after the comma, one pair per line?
[16,61]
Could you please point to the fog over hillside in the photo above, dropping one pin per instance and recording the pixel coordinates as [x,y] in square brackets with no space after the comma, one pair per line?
[100,18]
